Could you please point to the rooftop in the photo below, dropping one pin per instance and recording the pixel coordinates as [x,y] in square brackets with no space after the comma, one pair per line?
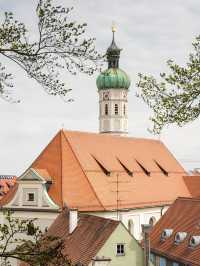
[182,216]
[79,249]
[84,167]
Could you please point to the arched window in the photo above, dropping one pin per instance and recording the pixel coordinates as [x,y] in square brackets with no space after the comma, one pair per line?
[152,221]
[106,109]
[116,109]
[131,226]
[124,109]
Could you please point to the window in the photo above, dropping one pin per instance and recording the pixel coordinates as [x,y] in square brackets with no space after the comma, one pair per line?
[120,250]
[163,262]
[106,109]
[153,258]
[116,109]
[152,221]
[131,226]
[175,264]
[124,109]
[31,197]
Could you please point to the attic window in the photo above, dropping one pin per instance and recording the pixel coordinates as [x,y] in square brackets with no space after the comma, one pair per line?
[144,169]
[31,197]
[194,241]
[106,172]
[162,169]
[120,250]
[180,237]
[166,233]
[125,168]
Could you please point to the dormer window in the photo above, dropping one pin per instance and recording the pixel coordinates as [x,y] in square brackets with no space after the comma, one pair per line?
[31,197]
[194,241]
[180,237]
[166,233]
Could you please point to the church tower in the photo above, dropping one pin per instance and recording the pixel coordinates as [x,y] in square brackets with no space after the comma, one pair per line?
[113,84]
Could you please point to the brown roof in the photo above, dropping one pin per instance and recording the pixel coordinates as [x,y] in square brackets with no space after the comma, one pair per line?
[9,196]
[84,166]
[6,183]
[193,184]
[87,239]
[182,216]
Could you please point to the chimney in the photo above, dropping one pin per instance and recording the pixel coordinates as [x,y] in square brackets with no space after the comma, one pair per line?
[146,228]
[73,219]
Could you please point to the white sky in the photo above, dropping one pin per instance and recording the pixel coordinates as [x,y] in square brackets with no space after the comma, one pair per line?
[150,32]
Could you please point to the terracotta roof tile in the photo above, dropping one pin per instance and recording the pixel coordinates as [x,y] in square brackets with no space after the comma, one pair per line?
[79,164]
[9,196]
[6,183]
[193,184]
[86,240]
[182,216]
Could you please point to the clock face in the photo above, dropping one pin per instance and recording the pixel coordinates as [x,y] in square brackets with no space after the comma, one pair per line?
[125,95]
[106,95]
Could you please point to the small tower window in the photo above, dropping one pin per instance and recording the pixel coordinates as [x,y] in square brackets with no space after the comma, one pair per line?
[124,109]
[106,109]
[116,109]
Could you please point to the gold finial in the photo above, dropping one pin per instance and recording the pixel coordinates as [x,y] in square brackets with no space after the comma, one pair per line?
[113,27]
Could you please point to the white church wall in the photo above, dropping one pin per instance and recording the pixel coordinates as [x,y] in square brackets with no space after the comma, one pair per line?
[137,216]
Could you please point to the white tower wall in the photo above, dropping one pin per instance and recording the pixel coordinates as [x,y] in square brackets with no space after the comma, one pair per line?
[113,118]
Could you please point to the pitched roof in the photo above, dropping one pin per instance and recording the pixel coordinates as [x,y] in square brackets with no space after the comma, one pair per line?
[182,216]
[87,239]
[6,183]
[193,184]
[84,167]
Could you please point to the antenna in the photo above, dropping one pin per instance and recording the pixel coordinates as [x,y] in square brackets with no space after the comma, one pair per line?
[117,191]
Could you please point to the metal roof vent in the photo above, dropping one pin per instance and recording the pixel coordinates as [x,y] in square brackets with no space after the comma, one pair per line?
[166,233]
[180,237]
[194,241]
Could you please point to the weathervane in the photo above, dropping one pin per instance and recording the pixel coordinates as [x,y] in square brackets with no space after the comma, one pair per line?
[113,27]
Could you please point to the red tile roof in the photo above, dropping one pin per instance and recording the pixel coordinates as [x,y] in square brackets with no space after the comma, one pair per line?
[87,239]
[79,164]
[182,216]
[6,183]
[83,168]
[193,184]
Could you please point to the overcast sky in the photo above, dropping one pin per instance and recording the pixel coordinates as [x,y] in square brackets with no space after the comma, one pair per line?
[150,32]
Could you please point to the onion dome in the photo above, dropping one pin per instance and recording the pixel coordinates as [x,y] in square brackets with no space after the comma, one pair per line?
[113,77]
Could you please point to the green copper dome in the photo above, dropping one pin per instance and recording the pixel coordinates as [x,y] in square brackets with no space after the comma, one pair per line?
[113,78]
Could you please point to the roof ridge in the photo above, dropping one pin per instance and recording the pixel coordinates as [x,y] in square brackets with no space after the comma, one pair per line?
[99,217]
[67,140]
[113,136]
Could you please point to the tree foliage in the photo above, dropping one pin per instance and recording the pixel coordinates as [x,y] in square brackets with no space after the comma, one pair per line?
[60,44]
[175,98]
[23,240]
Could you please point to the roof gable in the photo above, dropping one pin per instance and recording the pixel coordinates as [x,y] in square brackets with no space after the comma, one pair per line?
[96,231]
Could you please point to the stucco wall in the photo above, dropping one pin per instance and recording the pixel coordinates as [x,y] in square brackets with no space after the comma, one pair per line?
[133,251]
